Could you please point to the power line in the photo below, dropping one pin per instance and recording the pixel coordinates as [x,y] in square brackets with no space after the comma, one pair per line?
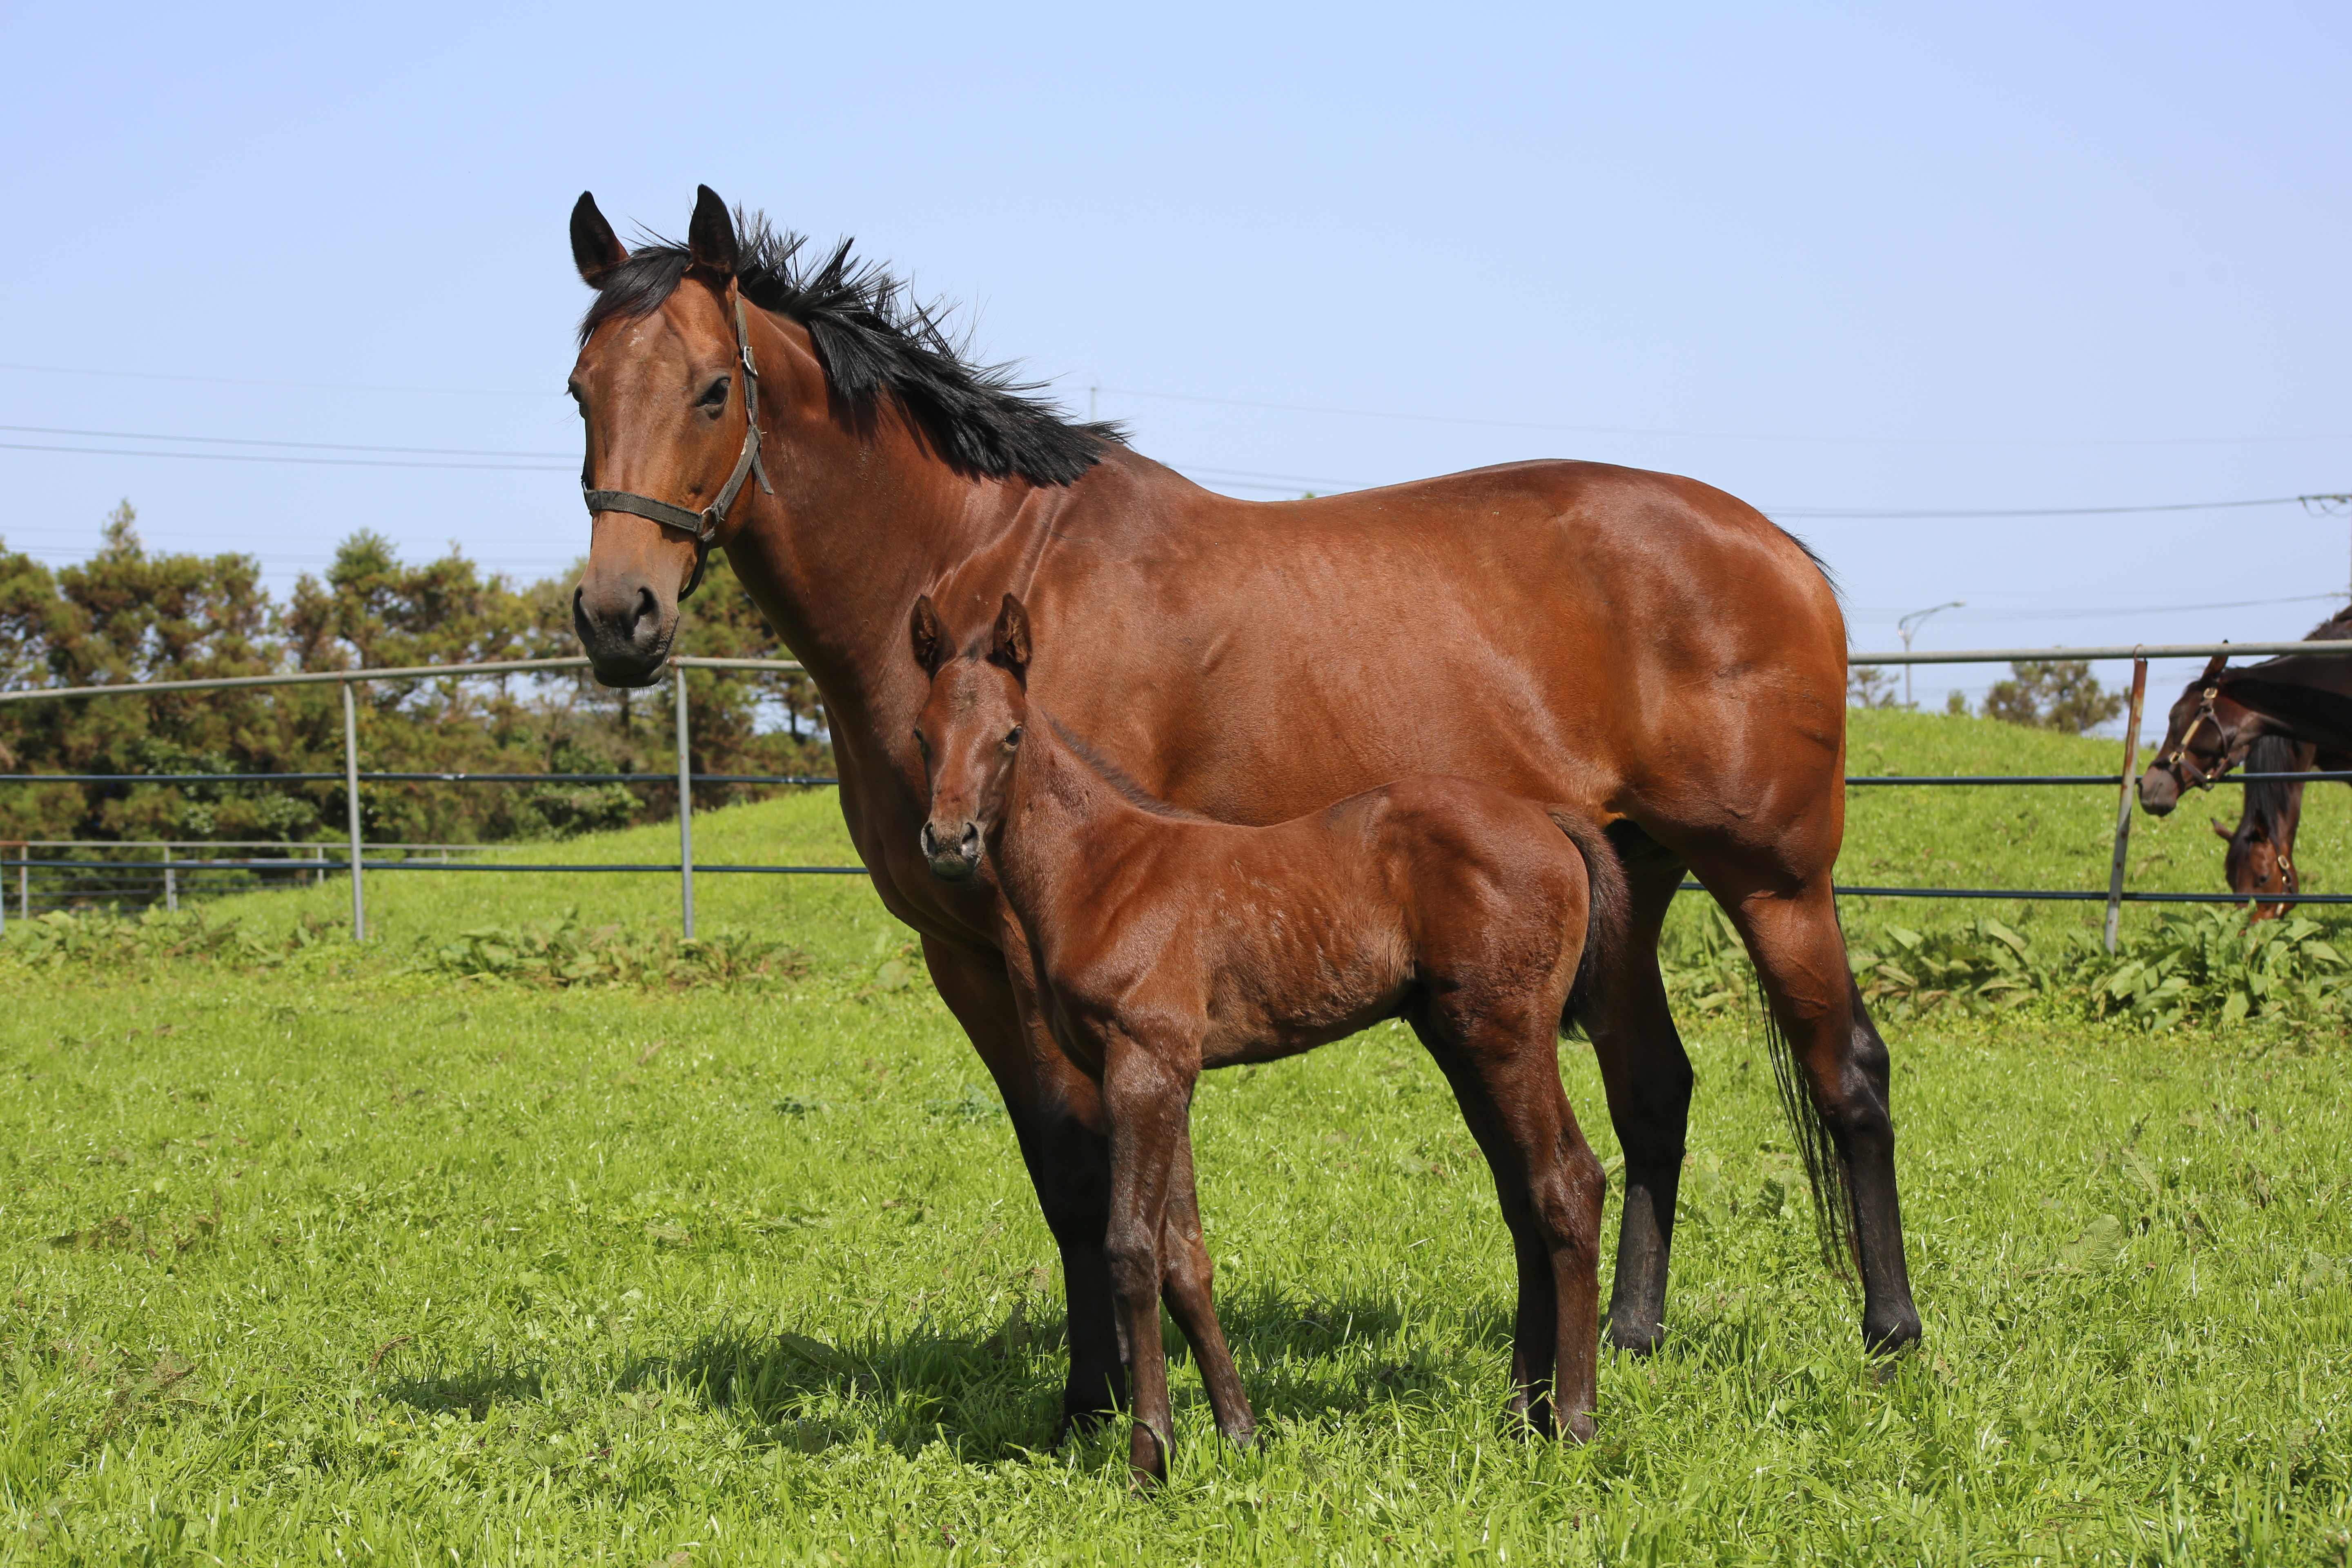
[1859,513]
[1731,435]
[250,441]
[259,457]
[296,385]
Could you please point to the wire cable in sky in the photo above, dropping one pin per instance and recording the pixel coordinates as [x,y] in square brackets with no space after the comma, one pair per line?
[296,385]
[1732,434]
[266,457]
[306,445]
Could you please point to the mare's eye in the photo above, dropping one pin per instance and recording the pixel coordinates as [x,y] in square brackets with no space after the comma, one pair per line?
[579,402]
[1012,736]
[715,396]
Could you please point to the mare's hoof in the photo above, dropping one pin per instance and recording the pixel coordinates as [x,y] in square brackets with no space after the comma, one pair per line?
[1645,1340]
[1241,1437]
[1890,1338]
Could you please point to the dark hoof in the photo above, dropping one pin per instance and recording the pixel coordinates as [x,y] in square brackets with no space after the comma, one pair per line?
[1243,1437]
[1642,1341]
[1079,1424]
[1891,1338]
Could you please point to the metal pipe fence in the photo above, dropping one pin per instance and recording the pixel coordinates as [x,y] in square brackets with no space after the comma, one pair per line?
[356,862]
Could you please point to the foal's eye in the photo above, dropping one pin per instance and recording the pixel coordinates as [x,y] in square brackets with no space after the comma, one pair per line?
[1012,736]
[922,746]
[715,396]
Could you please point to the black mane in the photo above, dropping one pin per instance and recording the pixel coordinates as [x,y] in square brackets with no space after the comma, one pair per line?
[874,340]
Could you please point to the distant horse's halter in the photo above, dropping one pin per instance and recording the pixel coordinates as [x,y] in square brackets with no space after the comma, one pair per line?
[2183,766]
[702,526]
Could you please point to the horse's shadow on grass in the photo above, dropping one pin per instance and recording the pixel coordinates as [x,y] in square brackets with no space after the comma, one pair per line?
[997,1394]
[474,1391]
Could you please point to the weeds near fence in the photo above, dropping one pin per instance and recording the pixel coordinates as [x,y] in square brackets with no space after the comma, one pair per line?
[102,940]
[2209,967]
[558,953]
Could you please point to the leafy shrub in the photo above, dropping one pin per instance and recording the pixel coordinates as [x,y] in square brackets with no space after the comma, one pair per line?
[2211,967]
[107,941]
[558,953]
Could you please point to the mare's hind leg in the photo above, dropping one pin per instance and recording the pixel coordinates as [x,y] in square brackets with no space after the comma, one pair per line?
[1186,1287]
[1647,1076]
[1842,1061]
[1504,1064]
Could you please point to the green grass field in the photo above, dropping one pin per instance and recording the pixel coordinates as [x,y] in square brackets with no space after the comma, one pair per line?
[342,1259]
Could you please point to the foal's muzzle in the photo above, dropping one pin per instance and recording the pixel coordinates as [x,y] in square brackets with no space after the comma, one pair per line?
[954,855]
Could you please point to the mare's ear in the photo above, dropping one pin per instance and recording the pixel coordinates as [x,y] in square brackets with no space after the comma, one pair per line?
[595,248]
[931,639]
[1011,649]
[711,236]
[2214,667]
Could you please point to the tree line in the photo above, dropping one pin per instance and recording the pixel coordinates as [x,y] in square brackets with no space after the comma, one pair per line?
[130,615]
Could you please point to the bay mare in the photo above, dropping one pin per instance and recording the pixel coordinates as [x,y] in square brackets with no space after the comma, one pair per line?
[1163,943]
[1646,650]
[2288,714]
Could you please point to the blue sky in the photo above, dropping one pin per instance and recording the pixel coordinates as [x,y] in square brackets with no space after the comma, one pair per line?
[1918,259]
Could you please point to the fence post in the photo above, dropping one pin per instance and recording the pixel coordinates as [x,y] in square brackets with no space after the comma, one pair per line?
[2124,802]
[685,805]
[352,801]
[171,884]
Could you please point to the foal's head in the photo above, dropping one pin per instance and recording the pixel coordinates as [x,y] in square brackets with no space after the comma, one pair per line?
[969,731]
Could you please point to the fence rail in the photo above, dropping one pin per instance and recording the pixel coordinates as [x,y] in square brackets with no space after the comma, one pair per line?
[356,863]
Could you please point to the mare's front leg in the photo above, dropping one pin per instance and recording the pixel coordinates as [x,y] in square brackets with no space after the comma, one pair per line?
[1146,1091]
[1191,1301]
[1057,1119]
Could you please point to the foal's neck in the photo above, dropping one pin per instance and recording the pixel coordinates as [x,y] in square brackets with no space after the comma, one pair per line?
[1065,823]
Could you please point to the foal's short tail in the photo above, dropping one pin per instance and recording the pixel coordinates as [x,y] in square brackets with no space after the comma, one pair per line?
[1604,926]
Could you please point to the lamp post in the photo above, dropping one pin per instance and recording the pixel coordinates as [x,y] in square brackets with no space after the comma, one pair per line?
[1908,626]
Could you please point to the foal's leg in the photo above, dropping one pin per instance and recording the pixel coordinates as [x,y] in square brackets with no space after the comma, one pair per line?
[1799,955]
[1186,1288]
[1504,1064]
[1647,1077]
[1146,1095]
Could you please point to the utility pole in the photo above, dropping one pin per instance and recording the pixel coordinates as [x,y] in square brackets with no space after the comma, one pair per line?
[1094,401]
[1907,627]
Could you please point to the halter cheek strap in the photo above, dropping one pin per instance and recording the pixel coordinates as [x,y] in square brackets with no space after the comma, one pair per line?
[703,527]
[2179,760]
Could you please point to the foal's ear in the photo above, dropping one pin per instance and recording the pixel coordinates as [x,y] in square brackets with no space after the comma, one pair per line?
[1011,649]
[2225,834]
[595,248]
[711,236]
[929,638]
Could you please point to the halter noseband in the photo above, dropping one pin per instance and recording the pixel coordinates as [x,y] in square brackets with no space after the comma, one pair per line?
[702,526]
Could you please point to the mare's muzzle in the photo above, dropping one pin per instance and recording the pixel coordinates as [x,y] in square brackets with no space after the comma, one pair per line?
[954,854]
[2159,789]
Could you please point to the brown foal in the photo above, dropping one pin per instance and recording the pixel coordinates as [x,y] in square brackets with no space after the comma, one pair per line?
[1165,944]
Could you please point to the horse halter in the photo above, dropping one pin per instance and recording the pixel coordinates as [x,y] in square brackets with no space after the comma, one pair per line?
[2185,768]
[702,526]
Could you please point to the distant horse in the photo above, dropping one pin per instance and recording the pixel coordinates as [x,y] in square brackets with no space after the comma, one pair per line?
[1165,944]
[1651,652]
[2287,714]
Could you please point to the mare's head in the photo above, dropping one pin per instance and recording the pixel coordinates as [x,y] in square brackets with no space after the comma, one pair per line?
[969,732]
[685,344]
[2205,737]
[661,385]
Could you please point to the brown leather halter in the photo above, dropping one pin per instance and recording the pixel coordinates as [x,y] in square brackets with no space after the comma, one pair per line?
[702,526]
[2178,758]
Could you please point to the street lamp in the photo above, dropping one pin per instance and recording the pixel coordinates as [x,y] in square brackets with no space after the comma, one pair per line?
[1908,626]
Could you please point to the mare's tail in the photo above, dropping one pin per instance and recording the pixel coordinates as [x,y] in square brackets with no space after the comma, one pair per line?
[1611,905]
